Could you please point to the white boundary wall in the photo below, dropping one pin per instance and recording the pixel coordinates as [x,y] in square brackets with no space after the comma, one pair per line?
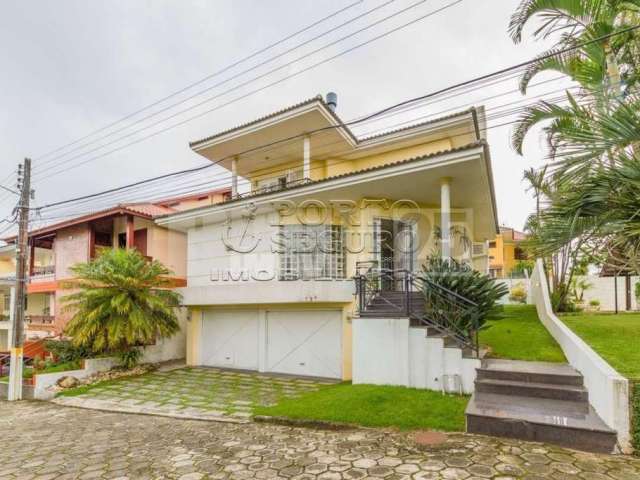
[608,390]
[44,381]
[604,290]
[387,351]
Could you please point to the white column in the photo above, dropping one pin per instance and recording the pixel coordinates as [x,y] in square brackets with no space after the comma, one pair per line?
[306,165]
[234,177]
[445,217]
[15,368]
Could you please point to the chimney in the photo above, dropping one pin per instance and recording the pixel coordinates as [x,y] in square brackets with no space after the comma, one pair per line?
[332,100]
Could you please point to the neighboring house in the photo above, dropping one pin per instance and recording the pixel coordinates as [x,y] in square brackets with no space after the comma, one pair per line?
[270,271]
[54,249]
[505,251]
[7,282]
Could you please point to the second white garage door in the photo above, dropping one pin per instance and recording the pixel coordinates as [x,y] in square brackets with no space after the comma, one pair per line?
[304,342]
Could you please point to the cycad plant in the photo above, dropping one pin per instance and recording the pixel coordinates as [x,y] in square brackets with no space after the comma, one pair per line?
[120,301]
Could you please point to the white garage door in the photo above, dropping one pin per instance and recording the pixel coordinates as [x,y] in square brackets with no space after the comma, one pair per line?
[230,339]
[305,343]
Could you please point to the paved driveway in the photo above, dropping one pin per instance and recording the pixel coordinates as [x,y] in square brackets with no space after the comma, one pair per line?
[46,441]
[206,393]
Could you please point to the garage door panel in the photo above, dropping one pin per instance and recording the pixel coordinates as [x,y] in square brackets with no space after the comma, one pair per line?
[230,339]
[305,343]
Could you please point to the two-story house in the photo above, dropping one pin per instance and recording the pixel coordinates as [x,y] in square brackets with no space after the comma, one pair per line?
[54,249]
[505,251]
[270,271]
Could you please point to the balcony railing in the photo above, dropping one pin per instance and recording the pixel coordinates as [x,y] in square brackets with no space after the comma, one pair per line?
[40,271]
[39,319]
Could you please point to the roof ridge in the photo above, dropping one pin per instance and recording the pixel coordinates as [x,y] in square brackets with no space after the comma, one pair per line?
[478,143]
[308,101]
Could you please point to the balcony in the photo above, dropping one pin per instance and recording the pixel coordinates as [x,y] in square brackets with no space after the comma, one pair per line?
[43,270]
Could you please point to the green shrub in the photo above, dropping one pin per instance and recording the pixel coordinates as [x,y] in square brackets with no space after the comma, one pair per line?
[466,282]
[594,303]
[129,358]
[65,351]
[518,293]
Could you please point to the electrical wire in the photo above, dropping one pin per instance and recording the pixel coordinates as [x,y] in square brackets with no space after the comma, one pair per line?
[204,79]
[494,116]
[243,96]
[388,109]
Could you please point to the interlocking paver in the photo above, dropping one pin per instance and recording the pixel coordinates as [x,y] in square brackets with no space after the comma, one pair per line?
[206,393]
[43,440]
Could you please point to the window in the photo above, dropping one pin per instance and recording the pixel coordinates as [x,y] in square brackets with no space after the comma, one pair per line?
[311,252]
[492,244]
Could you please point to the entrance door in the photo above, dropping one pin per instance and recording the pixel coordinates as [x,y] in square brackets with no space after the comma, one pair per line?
[395,243]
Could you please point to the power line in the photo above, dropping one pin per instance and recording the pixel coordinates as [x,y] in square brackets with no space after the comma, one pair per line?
[320,149]
[490,117]
[380,112]
[204,79]
[252,92]
[226,80]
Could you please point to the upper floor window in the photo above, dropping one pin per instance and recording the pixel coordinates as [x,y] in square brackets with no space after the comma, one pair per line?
[492,244]
[519,254]
[311,252]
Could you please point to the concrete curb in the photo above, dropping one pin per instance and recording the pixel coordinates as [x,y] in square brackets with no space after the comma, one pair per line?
[101,405]
[293,422]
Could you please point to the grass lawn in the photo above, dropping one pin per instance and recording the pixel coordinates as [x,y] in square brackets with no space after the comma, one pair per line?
[375,406]
[59,367]
[519,335]
[615,337]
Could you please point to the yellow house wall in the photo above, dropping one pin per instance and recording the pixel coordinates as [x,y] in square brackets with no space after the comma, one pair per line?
[320,169]
[497,253]
[503,255]
[509,257]
[7,266]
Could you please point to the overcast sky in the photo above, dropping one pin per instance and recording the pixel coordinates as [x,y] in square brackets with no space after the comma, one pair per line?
[73,67]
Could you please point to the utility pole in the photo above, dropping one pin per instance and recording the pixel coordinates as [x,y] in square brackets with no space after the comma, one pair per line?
[17,327]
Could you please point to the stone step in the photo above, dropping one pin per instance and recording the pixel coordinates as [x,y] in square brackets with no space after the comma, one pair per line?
[535,372]
[560,422]
[571,393]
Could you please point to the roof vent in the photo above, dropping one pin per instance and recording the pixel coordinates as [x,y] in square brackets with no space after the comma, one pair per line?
[332,100]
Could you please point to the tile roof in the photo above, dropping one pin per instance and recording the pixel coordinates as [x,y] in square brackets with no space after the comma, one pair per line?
[469,146]
[148,209]
[317,99]
[420,124]
[145,210]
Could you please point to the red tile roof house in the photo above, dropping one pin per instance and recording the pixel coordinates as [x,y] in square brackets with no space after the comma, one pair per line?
[54,249]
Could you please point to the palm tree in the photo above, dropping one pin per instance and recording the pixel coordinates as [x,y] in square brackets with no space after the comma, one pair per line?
[579,22]
[121,301]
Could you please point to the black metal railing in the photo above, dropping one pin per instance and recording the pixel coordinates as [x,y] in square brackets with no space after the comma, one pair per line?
[423,301]
[42,270]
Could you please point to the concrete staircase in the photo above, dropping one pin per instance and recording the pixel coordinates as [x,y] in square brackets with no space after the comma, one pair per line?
[439,363]
[536,401]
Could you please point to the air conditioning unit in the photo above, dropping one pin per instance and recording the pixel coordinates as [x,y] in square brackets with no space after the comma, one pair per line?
[479,249]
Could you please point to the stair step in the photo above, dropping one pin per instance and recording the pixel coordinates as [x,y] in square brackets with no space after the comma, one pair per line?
[572,393]
[384,314]
[565,423]
[535,372]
